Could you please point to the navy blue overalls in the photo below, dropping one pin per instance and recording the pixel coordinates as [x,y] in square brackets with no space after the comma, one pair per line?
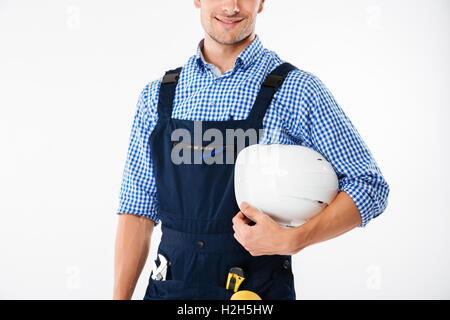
[196,207]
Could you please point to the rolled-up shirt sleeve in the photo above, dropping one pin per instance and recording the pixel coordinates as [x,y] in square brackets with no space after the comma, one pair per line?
[138,187]
[330,132]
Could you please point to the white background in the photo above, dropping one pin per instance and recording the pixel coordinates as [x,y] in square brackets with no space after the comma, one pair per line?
[70,75]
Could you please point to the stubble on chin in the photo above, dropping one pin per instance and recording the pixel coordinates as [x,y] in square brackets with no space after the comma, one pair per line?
[229,40]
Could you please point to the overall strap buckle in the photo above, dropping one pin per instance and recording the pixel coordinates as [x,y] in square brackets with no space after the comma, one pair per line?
[273,80]
[170,78]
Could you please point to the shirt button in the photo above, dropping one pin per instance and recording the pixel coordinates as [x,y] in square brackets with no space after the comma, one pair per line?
[286,264]
[200,244]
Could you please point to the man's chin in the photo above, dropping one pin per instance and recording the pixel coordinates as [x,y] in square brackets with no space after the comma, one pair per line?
[228,39]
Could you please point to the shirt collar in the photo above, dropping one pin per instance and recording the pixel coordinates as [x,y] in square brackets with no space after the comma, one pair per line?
[249,55]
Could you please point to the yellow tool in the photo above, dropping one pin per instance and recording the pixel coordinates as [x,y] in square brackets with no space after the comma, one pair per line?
[235,278]
[245,295]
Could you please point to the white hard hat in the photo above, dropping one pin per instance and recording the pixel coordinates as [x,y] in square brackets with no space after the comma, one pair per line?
[290,183]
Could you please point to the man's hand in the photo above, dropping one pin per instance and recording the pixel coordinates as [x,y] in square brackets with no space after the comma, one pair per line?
[266,237]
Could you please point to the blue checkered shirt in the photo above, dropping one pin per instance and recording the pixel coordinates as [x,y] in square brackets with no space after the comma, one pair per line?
[302,112]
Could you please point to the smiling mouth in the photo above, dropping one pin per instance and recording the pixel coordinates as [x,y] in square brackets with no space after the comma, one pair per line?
[229,23]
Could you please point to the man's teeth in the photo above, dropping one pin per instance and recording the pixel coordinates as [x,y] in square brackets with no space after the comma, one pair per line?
[229,21]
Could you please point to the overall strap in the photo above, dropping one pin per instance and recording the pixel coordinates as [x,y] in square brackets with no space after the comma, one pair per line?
[167,92]
[268,89]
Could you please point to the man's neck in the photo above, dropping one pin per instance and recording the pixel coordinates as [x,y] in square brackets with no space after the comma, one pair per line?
[224,56]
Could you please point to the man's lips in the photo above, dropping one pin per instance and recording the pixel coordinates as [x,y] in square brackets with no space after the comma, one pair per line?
[229,22]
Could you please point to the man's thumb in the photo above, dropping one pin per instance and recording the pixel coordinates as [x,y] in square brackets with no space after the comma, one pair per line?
[250,212]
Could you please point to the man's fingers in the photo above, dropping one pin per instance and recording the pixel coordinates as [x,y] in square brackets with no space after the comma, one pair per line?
[241,218]
[245,219]
[251,212]
[240,226]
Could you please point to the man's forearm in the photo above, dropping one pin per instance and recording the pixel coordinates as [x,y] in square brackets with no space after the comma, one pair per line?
[131,251]
[340,216]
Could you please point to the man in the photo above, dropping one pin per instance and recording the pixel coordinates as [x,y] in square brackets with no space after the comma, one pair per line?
[227,84]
